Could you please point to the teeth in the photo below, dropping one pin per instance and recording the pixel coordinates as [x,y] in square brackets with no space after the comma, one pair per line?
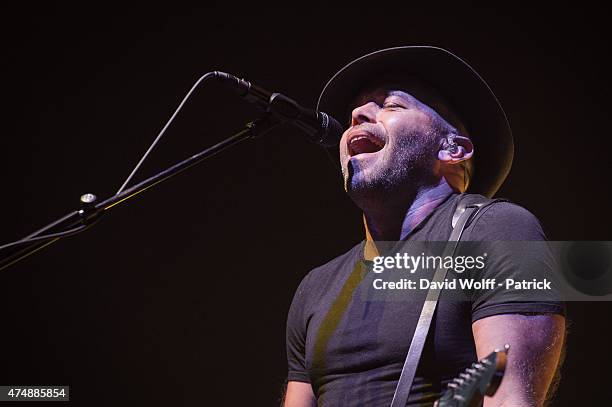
[370,139]
[364,143]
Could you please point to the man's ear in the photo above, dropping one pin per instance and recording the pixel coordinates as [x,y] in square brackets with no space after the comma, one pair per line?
[455,149]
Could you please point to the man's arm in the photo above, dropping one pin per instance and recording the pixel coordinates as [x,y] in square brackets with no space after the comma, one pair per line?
[299,394]
[536,342]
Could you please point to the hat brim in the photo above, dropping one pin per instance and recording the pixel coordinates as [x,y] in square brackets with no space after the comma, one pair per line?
[462,87]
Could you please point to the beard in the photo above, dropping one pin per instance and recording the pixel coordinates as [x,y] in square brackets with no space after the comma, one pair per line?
[395,175]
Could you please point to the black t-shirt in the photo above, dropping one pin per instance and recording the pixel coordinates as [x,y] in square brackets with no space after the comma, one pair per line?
[352,349]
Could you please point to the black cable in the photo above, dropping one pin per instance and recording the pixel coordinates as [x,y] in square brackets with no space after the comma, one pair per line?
[161,133]
[78,229]
[50,236]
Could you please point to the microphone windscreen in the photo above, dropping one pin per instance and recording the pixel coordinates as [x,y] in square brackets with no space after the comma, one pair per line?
[332,131]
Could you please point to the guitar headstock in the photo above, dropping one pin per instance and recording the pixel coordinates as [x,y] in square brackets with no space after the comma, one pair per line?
[481,379]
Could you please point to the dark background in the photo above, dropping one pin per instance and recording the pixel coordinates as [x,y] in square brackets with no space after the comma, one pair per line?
[180,297]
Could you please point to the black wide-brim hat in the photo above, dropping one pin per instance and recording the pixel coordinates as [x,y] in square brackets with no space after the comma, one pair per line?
[463,88]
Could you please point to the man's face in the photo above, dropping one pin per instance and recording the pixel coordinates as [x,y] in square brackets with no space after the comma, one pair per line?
[392,143]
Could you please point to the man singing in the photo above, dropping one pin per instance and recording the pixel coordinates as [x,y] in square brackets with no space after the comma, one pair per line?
[426,132]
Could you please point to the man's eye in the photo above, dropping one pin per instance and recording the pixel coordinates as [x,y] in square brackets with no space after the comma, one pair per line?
[391,106]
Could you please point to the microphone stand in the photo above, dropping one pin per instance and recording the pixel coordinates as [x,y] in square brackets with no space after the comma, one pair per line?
[92,209]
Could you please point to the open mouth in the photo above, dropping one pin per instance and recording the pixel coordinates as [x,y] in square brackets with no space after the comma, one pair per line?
[364,142]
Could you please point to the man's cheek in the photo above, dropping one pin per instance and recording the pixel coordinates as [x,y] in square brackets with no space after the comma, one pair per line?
[406,121]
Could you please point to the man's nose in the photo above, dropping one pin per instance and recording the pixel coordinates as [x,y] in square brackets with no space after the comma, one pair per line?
[364,114]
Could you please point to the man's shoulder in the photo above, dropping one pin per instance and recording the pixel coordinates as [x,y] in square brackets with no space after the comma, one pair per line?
[323,274]
[504,220]
[349,257]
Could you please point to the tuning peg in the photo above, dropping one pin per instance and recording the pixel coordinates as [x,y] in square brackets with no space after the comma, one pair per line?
[506,348]
[465,376]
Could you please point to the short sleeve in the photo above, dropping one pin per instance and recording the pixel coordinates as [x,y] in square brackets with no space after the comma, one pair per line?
[296,335]
[513,238]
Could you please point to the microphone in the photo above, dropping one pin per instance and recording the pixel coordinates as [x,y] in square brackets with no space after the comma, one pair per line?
[320,127]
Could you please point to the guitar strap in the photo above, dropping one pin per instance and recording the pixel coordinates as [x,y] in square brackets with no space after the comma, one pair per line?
[464,212]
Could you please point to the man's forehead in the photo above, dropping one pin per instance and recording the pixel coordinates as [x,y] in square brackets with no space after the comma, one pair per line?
[379,94]
[408,88]
[411,89]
